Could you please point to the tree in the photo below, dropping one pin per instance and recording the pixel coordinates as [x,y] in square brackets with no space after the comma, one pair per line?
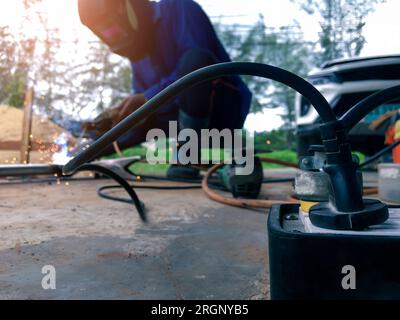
[15,59]
[70,83]
[342,25]
[283,47]
[64,83]
[27,59]
[7,55]
[100,82]
[45,71]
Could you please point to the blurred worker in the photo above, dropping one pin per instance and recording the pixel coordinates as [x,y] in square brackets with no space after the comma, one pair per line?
[164,41]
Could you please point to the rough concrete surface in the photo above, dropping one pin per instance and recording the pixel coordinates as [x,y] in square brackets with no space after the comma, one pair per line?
[192,248]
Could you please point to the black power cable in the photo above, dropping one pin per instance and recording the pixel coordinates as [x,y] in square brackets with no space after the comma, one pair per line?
[283,180]
[104,195]
[122,184]
[208,73]
[380,154]
[333,131]
[205,74]
[369,104]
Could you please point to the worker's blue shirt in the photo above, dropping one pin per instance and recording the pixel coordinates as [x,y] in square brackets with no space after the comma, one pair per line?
[181,25]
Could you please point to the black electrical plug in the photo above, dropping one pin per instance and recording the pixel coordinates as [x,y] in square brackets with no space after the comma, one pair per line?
[346,209]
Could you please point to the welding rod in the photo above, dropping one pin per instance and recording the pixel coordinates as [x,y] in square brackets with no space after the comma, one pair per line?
[30,170]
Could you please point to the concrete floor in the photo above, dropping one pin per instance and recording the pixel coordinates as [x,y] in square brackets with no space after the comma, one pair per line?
[191,249]
[211,259]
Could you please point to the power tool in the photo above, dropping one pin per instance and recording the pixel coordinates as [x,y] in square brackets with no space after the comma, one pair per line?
[243,186]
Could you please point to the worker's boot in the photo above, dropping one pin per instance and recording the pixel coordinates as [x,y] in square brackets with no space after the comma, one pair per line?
[180,171]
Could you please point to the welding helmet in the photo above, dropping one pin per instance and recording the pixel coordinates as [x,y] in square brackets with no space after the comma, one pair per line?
[126,26]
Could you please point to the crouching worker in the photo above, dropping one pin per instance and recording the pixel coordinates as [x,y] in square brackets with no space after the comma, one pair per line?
[164,41]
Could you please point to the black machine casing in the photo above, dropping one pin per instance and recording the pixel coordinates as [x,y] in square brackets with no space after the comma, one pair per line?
[310,265]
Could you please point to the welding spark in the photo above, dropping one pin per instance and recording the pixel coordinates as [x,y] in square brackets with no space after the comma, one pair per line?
[62,157]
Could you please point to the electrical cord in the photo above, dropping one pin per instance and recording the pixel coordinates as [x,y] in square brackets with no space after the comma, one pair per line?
[197,77]
[213,185]
[157,178]
[211,192]
[55,171]
[283,180]
[241,203]
[366,106]
[104,195]
[211,188]
[380,154]
[134,199]
[348,121]
[208,73]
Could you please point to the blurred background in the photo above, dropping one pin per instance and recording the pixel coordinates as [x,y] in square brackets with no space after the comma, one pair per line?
[75,78]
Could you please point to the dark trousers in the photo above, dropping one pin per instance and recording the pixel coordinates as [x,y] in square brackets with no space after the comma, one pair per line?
[211,105]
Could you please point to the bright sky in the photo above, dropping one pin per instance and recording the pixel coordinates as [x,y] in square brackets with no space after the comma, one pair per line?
[381,31]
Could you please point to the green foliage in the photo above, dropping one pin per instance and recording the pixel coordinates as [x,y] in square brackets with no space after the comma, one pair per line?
[284,155]
[102,81]
[342,25]
[27,60]
[131,152]
[274,140]
[16,91]
[14,65]
[161,169]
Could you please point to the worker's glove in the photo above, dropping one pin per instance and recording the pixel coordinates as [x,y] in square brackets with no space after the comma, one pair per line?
[103,123]
[128,106]
[111,117]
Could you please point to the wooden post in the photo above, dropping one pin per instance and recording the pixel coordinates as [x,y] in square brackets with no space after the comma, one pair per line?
[26,142]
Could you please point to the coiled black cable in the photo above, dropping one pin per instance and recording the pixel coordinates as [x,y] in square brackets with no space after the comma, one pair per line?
[102,194]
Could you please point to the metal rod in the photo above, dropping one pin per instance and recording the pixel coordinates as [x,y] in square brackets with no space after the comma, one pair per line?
[29,170]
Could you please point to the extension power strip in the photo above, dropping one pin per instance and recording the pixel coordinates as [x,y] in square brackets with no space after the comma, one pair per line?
[307,262]
[390,228]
